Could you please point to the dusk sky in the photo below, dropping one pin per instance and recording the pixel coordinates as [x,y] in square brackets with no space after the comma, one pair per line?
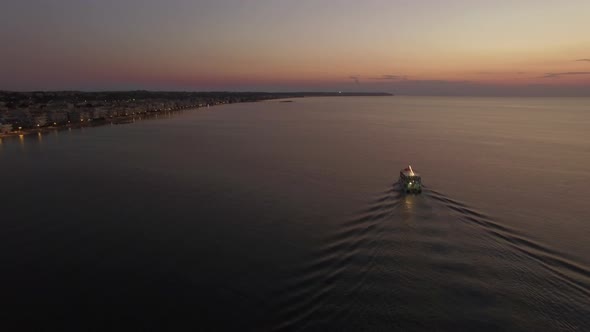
[471,47]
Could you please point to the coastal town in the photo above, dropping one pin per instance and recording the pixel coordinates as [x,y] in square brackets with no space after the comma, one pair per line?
[23,113]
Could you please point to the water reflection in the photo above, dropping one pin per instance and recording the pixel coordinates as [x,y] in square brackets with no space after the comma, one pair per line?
[409,203]
[436,258]
[408,208]
[21,140]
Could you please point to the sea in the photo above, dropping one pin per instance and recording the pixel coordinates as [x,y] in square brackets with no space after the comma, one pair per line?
[288,216]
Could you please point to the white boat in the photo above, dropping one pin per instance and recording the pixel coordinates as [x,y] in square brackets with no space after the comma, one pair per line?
[410,181]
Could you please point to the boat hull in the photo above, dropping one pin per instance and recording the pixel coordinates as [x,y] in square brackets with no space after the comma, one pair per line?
[410,187]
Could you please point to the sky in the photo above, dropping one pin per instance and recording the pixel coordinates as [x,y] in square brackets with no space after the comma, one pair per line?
[428,47]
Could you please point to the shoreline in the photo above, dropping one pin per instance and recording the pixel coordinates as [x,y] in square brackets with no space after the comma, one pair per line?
[122,120]
[119,107]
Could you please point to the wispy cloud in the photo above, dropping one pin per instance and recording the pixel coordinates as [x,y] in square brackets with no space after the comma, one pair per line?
[421,87]
[569,73]
[355,78]
[499,73]
[391,77]
[586,60]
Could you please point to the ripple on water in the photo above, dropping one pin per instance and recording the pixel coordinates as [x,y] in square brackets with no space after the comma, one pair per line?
[432,262]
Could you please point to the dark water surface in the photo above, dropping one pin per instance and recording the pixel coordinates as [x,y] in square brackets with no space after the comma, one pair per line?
[286,216]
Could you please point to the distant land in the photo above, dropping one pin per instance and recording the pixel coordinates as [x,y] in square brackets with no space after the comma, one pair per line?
[23,113]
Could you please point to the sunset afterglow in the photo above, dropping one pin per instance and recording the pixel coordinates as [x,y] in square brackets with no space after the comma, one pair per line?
[407,47]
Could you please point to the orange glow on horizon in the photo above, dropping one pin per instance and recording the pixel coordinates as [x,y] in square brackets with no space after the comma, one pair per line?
[373,45]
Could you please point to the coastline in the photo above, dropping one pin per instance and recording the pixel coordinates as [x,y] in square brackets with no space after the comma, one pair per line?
[29,113]
[127,119]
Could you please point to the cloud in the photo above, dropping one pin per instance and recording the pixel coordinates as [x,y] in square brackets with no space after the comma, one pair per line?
[474,88]
[558,75]
[355,78]
[587,60]
[391,77]
[499,73]
[441,87]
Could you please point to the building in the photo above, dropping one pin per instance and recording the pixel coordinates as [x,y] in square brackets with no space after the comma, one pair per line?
[40,119]
[73,117]
[100,113]
[57,117]
[84,116]
[5,128]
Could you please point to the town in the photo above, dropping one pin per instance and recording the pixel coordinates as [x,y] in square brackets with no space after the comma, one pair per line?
[28,112]
[23,113]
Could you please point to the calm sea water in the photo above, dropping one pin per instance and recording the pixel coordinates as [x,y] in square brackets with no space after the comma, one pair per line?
[287,216]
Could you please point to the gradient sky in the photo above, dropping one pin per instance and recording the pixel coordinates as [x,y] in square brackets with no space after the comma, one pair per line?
[469,47]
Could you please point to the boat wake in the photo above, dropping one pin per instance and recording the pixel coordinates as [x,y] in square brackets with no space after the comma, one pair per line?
[416,262]
[558,263]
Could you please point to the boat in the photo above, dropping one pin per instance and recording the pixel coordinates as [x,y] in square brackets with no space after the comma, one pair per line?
[410,181]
